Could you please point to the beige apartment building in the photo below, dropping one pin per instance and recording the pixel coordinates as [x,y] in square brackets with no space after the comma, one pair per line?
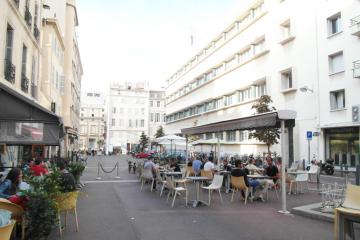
[40,73]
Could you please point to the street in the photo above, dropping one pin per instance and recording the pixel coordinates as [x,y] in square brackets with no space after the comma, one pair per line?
[116,209]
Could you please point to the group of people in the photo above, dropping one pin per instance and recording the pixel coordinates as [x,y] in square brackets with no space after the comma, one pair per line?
[260,186]
[11,186]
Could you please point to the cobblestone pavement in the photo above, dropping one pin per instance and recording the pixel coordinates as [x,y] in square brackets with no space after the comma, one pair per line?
[116,209]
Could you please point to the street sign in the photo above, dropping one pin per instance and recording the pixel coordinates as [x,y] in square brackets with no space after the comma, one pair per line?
[309,135]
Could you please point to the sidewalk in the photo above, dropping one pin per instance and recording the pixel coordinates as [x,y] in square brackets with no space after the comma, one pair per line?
[116,209]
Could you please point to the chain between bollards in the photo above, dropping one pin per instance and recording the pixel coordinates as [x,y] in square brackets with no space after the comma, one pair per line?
[115,167]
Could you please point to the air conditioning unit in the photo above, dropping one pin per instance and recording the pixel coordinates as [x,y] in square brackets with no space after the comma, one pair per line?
[355,113]
[53,107]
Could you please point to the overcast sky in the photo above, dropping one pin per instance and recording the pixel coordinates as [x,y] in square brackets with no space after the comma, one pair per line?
[145,40]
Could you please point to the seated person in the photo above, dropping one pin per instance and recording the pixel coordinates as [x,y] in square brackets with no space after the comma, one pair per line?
[258,187]
[174,165]
[67,180]
[10,185]
[38,169]
[272,171]
[149,164]
[209,165]
[196,165]
[226,165]
[252,168]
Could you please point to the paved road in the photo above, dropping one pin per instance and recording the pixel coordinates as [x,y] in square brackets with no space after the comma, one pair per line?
[116,209]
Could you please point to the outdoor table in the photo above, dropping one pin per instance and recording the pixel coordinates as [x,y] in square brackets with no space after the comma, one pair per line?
[255,176]
[297,172]
[227,174]
[197,181]
[347,174]
[173,174]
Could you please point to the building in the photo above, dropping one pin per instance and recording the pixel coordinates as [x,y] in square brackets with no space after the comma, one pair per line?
[128,110]
[304,57]
[28,129]
[157,115]
[92,121]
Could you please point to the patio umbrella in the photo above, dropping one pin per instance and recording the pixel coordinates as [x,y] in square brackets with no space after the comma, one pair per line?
[172,138]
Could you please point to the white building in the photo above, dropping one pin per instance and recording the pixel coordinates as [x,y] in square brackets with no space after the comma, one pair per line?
[278,48]
[92,121]
[156,111]
[128,111]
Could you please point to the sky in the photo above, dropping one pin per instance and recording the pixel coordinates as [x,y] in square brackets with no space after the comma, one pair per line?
[145,40]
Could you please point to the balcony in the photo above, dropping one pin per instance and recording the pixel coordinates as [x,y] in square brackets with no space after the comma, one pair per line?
[355,26]
[16,2]
[356,69]
[36,32]
[24,83]
[28,17]
[9,71]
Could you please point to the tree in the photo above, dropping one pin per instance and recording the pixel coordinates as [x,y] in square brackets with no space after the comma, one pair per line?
[144,141]
[159,132]
[269,136]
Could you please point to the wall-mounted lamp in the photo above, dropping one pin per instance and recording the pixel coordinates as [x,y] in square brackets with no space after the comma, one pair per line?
[305,89]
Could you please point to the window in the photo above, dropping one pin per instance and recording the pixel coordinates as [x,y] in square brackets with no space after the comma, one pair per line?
[157,117]
[208,136]
[164,117]
[23,62]
[113,122]
[244,136]
[336,63]
[337,100]
[334,24]
[9,43]
[151,103]
[285,29]
[114,110]
[231,136]
[286,79]
[219,135]
[142,123]
[130,123]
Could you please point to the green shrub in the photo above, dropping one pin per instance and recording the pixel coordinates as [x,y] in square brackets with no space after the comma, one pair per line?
[76,168]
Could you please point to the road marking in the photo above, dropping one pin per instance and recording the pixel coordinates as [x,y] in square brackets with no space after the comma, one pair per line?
[112,181]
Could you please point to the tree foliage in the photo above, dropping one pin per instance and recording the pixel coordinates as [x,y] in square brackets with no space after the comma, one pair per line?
[144,141]
[269,136]
[159,132]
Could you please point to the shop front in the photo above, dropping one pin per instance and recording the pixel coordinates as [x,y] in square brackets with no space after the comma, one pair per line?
[27,130]
[342,145]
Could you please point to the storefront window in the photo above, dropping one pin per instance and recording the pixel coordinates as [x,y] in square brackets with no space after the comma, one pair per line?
[342,145]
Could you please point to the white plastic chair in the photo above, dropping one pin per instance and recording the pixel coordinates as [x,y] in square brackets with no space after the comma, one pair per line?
[314,170]
[147,175]
[215,185]
[300,178]
[175,190]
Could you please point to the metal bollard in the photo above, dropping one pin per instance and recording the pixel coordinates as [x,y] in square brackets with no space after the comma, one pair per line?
[98,172]
[341,169]
[357,175]
[117,170]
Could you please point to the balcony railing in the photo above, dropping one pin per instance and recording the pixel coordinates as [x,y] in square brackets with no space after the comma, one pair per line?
[16,2]
[28,17]
[24,83]
[355,26]
[36,32]
[356,69]
[9,71]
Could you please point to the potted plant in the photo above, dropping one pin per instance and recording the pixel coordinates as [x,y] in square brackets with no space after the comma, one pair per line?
[76,169]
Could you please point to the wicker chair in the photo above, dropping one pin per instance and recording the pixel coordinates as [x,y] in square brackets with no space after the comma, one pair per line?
[238,184]
[17,213]
[66,202]
[6,230]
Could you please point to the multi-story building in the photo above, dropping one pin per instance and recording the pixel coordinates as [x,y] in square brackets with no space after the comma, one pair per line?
[20,45]
[304,57]
[128,111]
[92,121]
[157,115]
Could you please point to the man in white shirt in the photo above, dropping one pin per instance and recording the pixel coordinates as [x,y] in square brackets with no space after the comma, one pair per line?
[209,165]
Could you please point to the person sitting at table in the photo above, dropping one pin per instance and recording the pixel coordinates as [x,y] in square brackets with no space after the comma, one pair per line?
[10,185]
[271,171]
[196,165]
[149,164]
[226,165]
[240,171]
[174,165]
[252,168]
[67,180]
[38,168]
[209,165]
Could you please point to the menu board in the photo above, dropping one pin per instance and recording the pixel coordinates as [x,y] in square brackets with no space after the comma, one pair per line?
[38,151]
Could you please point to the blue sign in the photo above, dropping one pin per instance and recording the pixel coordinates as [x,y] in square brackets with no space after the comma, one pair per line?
[309,135]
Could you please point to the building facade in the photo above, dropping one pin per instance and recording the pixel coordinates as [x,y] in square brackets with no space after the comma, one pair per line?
[92,121]
[293,52]
[157,114]
[128,115]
